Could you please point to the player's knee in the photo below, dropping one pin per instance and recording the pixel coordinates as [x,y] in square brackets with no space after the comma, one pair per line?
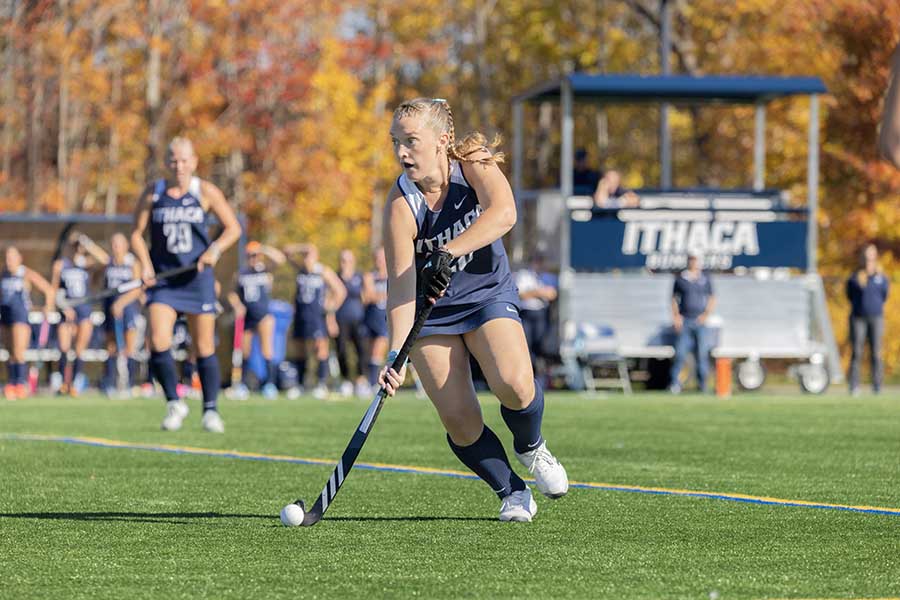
[516,389]
[463,429]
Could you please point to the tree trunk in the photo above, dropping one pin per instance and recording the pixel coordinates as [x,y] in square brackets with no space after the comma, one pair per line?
[62,144]
[154,99]
[10,109]
[35,127]
[112,186]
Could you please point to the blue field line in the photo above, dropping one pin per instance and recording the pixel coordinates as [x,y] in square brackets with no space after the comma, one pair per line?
[413,470]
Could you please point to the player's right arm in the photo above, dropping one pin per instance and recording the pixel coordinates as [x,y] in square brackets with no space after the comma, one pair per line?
[235,301]
[399,250]
[138,245]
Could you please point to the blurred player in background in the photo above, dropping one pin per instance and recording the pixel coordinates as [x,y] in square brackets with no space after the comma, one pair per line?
[692,303]
[318,289]
[176,210]
[446,214]
[16,282]
[867,290]
[351,329]
[536,293]
[120,312]
[250,301]
[375,319]
[72,277]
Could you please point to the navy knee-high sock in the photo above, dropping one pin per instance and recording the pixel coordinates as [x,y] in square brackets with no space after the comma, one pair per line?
[271,371]
[133,365]
[525,424]
[210,381]
[109,371]
[63,363]
[374,368]
[188,368]
[23,373]
[300,365]
[76,367]
[322,371]
[487,459]
[162,366]
[14,372]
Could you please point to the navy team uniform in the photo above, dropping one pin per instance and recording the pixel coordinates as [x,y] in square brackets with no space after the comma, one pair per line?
[481,289]
[14,305]
[350,324]
[375,322]
[178,236]
[14,301]
[254,288]
[74,280]
[309,316]
[114,276]
[375,319]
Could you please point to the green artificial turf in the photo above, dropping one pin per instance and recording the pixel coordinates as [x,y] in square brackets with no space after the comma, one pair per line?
[87,522]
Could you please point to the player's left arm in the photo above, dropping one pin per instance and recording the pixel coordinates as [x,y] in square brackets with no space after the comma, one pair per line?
[710,303]
[889,136]
[37,280]
[496,198]
[337,292]
[231,232]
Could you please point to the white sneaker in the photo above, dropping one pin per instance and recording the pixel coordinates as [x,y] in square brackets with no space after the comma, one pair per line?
[294,392]
[212,422]
[549,476]
[363,389]
[320,392]
[518,506]
[346,389]
[269,391]
[176,411]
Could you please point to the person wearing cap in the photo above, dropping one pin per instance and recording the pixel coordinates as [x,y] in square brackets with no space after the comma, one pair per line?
[692,302]
[250,300]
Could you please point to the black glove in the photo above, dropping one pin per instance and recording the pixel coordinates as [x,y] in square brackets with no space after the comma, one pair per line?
[435,276]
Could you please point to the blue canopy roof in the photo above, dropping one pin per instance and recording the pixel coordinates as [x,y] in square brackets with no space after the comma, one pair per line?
[676,88]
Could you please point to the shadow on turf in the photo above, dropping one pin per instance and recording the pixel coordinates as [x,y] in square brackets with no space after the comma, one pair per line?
[178,518]
[163,517]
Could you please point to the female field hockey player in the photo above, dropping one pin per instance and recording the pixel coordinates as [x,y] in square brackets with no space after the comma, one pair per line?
[16,282]
[176,211]
[445,216]
[250,300]
[120,312]
[72,276]
[319,290]
[375,320]
[350,326]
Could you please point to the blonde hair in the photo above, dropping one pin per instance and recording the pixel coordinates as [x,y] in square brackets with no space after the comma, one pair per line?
[438,116]
[181,141]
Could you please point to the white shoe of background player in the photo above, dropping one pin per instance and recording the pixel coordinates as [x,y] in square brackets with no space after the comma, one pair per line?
[176,411]
[212,422]
[347,389]
[320,392]
[518,506]
[549,476]
[294,392]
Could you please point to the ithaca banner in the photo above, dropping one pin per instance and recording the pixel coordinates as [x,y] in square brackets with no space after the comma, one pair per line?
[663,239]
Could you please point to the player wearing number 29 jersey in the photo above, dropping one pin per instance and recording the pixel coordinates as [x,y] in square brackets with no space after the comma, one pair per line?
[178,236]
[175,210]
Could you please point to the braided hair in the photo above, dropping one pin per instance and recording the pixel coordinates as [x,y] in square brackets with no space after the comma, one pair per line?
[438,116]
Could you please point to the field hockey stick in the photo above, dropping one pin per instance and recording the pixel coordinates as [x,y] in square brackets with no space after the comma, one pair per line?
[237,352]
[345,464]
[126,287]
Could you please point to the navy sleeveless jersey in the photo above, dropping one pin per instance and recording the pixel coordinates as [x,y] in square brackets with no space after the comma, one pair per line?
[482,277]
[74,279]
[117,274]
[12,289]
[178,227]
[351,311]
[254,289]
[309,302]
[376,312]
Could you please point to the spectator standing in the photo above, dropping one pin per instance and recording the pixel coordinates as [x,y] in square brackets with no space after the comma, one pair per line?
[609,192]
[692,302]
[584,178]
[867,290]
